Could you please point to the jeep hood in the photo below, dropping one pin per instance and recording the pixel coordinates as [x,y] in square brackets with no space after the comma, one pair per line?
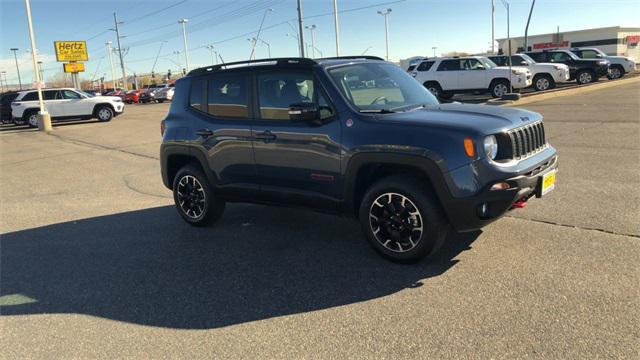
[482,119]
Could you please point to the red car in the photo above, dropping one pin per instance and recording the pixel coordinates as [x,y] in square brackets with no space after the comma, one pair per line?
[132,96]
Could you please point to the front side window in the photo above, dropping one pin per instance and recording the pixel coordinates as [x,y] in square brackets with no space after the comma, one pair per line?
[499,60]
[538,57]
[559,57]
[277,92]
[227,96]
[471,64]
[68,94]
[380,87]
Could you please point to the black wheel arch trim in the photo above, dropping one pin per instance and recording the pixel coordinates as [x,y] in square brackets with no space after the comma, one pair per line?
[169,150]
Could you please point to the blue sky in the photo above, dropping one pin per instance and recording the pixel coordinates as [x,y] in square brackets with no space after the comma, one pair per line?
[415,26]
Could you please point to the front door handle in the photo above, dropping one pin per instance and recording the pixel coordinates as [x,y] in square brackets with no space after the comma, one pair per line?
[205,133]
[266,136]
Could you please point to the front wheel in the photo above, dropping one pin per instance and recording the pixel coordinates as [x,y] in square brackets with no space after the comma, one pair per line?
[104,113]
[499,88]
[615,72]
[194,197]
[585,77]
[402,220]
[543,82]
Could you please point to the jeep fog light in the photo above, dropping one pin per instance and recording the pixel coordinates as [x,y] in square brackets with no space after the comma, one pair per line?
[491,147]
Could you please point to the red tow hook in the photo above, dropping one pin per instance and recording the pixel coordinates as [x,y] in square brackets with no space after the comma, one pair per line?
[519,204]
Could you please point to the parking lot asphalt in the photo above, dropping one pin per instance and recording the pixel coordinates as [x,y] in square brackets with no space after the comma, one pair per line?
[95,262]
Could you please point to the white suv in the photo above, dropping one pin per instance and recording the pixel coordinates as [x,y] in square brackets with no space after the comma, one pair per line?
[64,103]
[545,75]
[620,65]
[445,77]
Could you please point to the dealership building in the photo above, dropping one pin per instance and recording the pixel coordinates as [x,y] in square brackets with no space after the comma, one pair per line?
[615,40]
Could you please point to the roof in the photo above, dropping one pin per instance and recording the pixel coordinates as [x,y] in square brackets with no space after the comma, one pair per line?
[617,28]
[304,62]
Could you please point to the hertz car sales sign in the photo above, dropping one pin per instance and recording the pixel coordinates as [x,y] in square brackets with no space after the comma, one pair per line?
[71,50]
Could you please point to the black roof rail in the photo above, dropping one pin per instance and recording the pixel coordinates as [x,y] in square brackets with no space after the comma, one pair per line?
[274,61]
[366,57]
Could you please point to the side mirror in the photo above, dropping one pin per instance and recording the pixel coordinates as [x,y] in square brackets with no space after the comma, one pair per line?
[307,112]
[524,63]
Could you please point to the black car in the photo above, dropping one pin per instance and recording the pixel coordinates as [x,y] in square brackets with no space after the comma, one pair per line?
[294,131]
[5,106]
[584,71]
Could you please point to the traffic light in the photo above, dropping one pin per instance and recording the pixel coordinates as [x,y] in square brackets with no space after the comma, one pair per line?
[169,74]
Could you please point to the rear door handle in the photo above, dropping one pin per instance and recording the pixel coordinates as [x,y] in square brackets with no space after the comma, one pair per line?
[266,136]
[205,133]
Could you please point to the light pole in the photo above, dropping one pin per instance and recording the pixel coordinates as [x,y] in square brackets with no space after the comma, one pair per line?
[122,67]
[40,70]
[153,68]
[184,38]
[214,59]
[113,68]
[493,27]
[335,24]
[312,29]
[177,54]
[253,48]
[268,47]
[300,32]
[5,85]
[44,120]
[386,29]
[511,95]
[252,42]
[17,67]
[434,50]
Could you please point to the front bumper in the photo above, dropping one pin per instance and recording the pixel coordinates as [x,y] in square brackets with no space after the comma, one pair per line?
[467,214]
[522,81]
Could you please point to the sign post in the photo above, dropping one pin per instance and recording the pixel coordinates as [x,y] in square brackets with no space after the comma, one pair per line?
[72,51]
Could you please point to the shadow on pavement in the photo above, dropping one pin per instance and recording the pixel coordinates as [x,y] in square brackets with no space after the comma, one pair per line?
[148,267]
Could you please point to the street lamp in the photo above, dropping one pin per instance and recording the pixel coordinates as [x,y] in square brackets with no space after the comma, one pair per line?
[113,68]
[386,29]
[312,29]
[177,54]
[335,25]
[252,42]
[264,42]
[214,59]
[253,48]
[17,67]
[184,38]
[434,50]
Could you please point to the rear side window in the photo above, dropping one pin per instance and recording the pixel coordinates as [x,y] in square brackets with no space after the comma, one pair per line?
[51,95]
[195,95]
[449,65]
[227,96]
[588,54]
[499,60]
[32,96]
[425,66]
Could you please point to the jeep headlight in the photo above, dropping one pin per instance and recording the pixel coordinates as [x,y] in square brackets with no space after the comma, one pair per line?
[490,147]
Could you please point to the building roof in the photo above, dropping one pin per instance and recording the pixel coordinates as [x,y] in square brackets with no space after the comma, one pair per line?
[617,28]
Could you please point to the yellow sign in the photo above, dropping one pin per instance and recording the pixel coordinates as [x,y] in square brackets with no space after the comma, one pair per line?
[71,50]
[73,67]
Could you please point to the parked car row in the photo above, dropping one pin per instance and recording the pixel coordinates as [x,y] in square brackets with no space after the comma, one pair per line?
[22,107]
[542,70]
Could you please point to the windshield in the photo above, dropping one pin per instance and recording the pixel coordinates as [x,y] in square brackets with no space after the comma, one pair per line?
[380,87]
[527,58]
[488,64]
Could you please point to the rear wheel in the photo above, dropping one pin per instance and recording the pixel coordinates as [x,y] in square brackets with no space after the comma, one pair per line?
[543,82]
[402,220]
[194,197]
[30,117]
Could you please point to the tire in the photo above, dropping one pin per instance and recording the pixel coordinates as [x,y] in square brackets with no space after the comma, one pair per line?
[434,88]
[160,101]
[615,72]
[418,226]
[104,113]
[543,82]
[586,77]
[499,87]
[194,197]
[30,117]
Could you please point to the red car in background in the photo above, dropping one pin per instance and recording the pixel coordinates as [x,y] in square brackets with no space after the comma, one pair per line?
[132,96]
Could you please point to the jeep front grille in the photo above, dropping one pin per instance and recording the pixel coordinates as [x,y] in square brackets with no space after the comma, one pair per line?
[527,140]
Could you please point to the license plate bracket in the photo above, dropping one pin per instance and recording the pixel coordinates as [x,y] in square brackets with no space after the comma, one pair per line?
[547,183]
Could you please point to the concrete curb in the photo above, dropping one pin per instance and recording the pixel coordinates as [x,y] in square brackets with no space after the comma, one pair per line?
[565,92]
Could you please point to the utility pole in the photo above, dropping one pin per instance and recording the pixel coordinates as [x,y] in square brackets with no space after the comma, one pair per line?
[184,39]
[493,27]
[312,28]
[300,33]
[335,24]
[17,67]
[113,68]
[44,119]
[214,59]
[526,29]
[386,29]
[124,75]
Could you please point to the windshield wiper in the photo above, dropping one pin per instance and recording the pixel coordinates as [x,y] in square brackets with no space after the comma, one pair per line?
[407,108]
[378,111]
